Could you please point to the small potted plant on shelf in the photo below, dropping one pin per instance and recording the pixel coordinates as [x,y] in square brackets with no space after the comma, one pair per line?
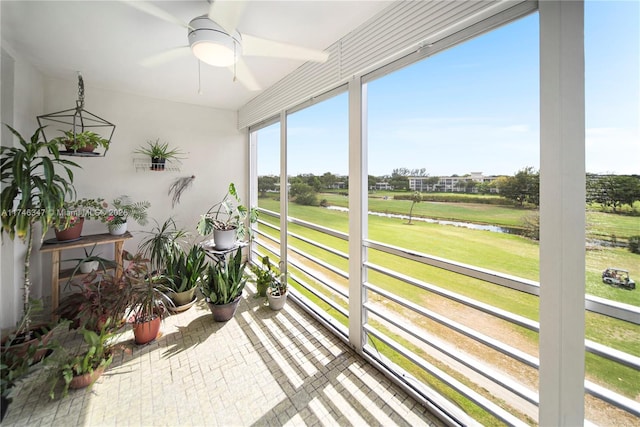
[34,186]
[83,142]
[222,286]
[81,369]
[123,208]
[159,153]
[69,220]
[226,220]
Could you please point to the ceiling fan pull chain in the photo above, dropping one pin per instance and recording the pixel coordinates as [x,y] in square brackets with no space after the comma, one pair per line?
[235,61]
[199,79]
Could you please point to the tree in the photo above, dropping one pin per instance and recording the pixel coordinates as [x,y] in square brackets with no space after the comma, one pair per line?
[416,197]
[328,179]
[303,194]
[372,181]
[267,183]
[432,182]
[523,187]
[613,190]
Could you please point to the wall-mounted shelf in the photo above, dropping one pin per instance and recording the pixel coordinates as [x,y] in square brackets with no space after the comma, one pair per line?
[145,165]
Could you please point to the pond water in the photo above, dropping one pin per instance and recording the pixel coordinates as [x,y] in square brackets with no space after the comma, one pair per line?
[470,225]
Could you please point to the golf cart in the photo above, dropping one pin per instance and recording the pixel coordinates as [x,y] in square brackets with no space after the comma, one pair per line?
[618,277]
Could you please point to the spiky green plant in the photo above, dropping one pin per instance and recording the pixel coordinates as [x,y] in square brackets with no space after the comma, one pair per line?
[225,281]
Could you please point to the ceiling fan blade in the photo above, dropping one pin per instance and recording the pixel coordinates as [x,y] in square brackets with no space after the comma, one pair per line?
[227,14]
[245,76]
[166,56]
[257,46]
[154,10]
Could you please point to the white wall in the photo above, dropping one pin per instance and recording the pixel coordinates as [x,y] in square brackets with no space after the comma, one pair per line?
[25,85]
[216,155]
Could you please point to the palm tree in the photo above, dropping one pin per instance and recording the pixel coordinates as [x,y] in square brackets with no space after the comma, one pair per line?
[416,197]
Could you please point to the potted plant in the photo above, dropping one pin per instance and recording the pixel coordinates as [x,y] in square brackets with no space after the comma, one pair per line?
[33,191]
[123,208]
[226,220]
[69,220]
[277,293]
[159,153]
[161,242]
[222,286]
[144,303]
[81,369]
[183,273]
[83,142]
[265,275]
[99,296]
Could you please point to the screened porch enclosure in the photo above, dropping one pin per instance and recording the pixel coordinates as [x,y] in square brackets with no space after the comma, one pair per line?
[474,342]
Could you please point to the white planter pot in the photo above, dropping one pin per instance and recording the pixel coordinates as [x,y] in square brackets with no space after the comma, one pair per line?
[224,239]
[88,267]
[276,303]
[117,229]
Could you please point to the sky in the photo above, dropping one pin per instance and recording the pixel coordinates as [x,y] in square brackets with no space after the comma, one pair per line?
[475,107]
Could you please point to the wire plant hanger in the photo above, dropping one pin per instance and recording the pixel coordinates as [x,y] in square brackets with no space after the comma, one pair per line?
[80,120]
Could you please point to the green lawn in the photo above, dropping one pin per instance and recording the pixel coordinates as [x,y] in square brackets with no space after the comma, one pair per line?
[504,253]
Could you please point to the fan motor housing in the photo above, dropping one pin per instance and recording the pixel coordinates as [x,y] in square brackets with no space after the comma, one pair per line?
[212,44]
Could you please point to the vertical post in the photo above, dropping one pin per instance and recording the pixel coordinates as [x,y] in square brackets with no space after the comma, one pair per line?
[55,283]
[562,213]
[284,192]
[358,190]
[253,185]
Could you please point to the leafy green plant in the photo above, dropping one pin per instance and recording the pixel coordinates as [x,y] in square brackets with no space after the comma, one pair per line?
[227,214]
[266,276]
[64,366]
[86,139]
[123,208]
[158,150]
[184,270]
[162,241]
[33,192]
[73,210]
[224,281]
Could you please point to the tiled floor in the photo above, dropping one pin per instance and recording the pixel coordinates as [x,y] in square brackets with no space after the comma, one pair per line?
[260,368]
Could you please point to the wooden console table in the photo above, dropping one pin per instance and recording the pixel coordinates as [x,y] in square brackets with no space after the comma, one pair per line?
[95,239]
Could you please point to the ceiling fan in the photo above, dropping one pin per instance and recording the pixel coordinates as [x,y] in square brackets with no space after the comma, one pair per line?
[214,40]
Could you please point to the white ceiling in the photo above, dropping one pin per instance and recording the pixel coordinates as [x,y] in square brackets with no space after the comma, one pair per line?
[106,40]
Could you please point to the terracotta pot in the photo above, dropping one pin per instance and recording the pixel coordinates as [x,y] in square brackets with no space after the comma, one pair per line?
[117,229]
[224,239]
[85,380]
[71,233]
[224,312]
[20,347]
[276,303]
[145,332]
[87,149]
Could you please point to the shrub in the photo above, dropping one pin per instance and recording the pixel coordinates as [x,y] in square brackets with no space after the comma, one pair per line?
[634,244]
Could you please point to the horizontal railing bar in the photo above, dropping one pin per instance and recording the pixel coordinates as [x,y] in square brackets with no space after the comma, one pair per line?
[268,212]
[615,399]
[320,245]
[612,354]
[476,398]
[329,231]
[318,261]
[464,330]
[513,282]
[470,302]
[501,380]
[320,295]
[618,310]
[313,274]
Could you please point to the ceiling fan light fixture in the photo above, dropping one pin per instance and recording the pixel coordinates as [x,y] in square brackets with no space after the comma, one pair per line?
[211,44]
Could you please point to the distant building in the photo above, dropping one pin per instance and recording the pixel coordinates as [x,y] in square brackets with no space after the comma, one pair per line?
[383,186]
[451,184]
